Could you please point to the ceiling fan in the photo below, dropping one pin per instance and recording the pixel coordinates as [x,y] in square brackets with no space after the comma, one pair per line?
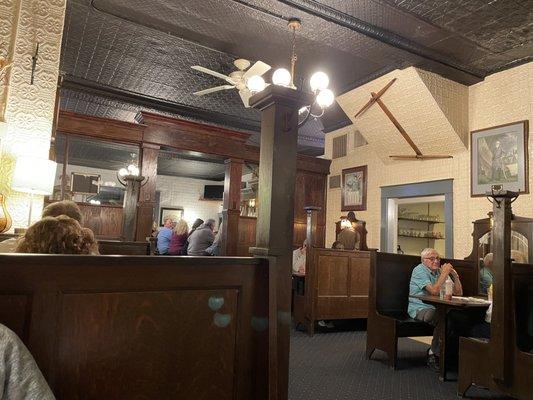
[237,79]
[418,154]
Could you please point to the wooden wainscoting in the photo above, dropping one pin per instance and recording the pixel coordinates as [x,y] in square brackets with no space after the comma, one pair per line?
[104,220]
[336,286]
[131,327]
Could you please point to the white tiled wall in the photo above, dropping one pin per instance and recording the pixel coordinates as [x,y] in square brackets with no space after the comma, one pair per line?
[186,193]
[501,98]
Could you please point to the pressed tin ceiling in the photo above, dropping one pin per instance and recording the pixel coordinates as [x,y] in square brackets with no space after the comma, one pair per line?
[120,56]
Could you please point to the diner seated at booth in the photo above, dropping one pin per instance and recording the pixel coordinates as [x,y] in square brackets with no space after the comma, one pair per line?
[64,207]
[180,233]
[299,259]
[58,235]
[427,278]
[201,239]
[164,236]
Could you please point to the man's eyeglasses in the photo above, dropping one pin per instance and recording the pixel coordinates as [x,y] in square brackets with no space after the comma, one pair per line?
[432,259]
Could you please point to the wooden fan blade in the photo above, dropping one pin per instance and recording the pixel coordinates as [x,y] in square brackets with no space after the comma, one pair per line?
[405,157]
[434,157]
[373,100]
[259,68]
[213,89]
[213,73]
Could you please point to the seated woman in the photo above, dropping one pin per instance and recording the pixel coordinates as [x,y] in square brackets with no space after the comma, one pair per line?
[58,235]
[179,238]
[485,273]
[20,378]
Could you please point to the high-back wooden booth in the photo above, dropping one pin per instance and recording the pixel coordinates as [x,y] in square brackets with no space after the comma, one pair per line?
[503,363]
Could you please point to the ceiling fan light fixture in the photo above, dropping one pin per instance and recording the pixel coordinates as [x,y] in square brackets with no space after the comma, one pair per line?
[319,81]
[255,83]
[325,98]
[281,77]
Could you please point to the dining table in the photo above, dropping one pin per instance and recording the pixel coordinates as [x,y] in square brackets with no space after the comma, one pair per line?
[443,306]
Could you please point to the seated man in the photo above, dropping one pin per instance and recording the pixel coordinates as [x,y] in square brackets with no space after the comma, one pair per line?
[427,279]
[201,239]
[299,259]
[165,236]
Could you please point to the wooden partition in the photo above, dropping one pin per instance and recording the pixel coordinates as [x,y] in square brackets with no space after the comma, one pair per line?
[475,358]
[336,287]
[105,220]
[132,327]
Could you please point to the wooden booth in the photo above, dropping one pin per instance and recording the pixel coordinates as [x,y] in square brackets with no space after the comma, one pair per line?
[503,363]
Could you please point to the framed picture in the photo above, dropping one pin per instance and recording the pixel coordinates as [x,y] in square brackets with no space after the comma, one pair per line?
[176,213]
[354,183]
[499,156]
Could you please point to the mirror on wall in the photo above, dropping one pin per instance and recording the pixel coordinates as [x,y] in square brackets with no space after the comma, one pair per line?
[519,254]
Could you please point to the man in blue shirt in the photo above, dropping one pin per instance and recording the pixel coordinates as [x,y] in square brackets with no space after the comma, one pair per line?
[427,279]
[164,236]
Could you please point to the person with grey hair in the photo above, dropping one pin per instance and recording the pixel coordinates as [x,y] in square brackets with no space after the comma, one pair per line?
[426,279]
[201,239]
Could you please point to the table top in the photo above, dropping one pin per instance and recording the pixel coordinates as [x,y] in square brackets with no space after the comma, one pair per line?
[456,301]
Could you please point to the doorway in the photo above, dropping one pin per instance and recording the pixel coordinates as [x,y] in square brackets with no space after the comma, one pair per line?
[416,216]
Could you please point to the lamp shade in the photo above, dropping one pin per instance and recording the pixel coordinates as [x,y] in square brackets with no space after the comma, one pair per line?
[34,175]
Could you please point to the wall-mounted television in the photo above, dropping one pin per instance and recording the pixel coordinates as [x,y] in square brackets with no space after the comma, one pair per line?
[214,192]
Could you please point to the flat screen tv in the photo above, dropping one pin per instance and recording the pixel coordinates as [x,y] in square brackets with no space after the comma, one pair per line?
[214,192]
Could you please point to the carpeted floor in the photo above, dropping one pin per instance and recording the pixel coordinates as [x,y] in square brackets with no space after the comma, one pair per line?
[332,366]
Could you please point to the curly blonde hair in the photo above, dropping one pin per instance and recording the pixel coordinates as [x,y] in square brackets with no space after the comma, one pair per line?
[58,235]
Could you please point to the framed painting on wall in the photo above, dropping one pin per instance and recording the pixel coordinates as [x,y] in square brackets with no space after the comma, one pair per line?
[354,183]
[499,156]
[176,213]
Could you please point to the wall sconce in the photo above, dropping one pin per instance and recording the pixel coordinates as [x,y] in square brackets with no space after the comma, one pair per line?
[34,176]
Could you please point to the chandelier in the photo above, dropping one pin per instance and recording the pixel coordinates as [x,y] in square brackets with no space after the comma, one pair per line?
[319,82]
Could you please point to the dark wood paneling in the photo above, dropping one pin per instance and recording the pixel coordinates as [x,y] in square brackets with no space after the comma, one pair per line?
[97,127]
[104,221]
[143,327]
[247,226]
[146,204]
[123,248]
[155,341]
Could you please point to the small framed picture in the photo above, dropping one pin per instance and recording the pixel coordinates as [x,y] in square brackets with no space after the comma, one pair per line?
[354,183]
[176,213]
[499,156]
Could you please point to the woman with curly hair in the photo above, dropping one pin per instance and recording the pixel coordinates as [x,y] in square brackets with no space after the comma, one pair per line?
[58,235]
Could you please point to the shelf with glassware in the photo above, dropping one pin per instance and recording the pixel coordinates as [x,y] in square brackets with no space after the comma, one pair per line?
[420,225]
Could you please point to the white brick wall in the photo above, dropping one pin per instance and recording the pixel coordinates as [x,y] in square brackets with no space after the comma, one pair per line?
[501,98]
[186,193]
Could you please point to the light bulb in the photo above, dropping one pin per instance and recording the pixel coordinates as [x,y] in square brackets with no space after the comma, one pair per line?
[133,170]
[255,83]
[325,98]
[303,110]
[319,81]
[281,77]
[123,172]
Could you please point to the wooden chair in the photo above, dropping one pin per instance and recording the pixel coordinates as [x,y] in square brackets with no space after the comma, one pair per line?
[388,299]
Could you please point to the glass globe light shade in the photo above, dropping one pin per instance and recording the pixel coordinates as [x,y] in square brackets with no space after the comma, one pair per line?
[319,81]
[325,98]
[255,83]
[123,172]
[281,77]
[133,169]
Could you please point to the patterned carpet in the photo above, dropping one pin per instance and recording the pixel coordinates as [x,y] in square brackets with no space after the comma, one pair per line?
[332,366]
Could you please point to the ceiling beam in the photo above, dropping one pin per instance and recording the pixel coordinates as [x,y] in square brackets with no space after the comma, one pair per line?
[142,100]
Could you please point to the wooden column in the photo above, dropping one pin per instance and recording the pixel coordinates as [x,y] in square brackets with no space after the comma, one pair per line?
[312,242]
[145,210]
[277,172]
[502,342]
[231,207]
[131,198]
